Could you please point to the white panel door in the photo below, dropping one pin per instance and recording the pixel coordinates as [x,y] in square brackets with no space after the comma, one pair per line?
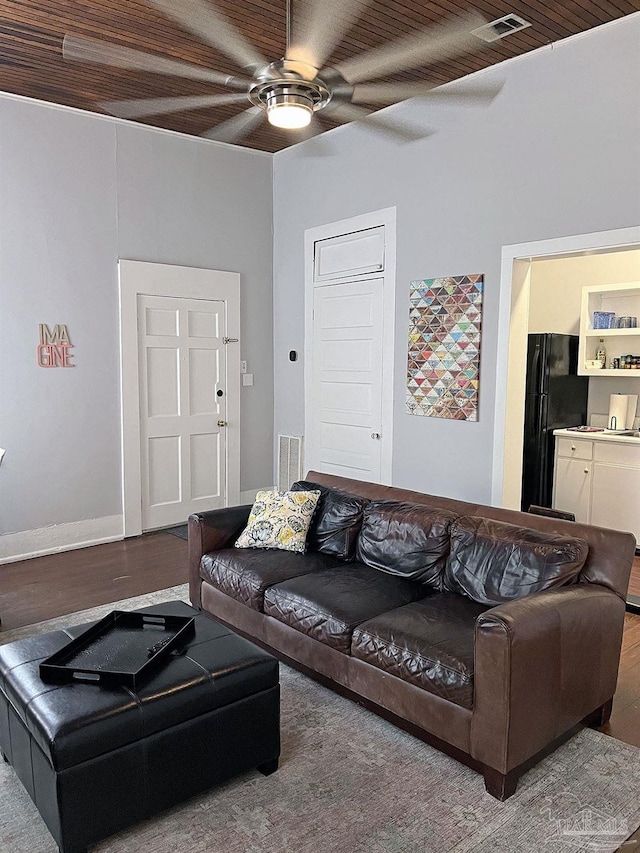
[183,405]
[346,420]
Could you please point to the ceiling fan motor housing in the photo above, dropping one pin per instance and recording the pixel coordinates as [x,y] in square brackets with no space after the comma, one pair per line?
[287,83]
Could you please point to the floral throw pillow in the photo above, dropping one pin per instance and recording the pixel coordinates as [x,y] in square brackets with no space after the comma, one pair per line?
[279,520]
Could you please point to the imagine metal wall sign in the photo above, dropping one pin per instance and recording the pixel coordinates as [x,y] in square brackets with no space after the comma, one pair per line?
[54,349]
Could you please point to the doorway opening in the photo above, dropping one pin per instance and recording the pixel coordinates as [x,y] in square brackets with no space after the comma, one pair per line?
[541,289]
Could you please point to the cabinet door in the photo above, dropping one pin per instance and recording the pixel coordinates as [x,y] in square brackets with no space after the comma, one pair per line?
[572,487]
[615,501]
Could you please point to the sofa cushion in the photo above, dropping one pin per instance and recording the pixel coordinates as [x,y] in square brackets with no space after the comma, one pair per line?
[406,539]
[327,604]
[428,643]
[279,520]
[337,521]
[492,561]
[245,574]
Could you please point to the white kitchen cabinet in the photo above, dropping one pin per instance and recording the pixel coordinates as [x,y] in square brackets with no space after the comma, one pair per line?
[598,479]
[572,487]
[615,500]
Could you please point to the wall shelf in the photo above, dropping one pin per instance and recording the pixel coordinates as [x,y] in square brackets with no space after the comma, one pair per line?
[623,300]
[615,333]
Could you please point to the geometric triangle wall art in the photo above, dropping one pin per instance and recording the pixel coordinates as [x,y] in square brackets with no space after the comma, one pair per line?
[443,371]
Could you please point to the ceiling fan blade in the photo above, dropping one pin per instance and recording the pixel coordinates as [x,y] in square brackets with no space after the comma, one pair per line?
[207,23]
[80,49]
[236,128]
[320,26]
[160,106]
[392,93]
[434,44]
[344,113]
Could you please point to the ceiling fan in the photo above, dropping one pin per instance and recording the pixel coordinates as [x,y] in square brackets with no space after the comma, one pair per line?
[291,91]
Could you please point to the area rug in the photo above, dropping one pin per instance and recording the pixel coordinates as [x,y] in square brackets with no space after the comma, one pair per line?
[349,782]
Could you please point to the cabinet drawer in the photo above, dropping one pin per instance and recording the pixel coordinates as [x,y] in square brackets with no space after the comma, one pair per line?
[618,454]
[578,449]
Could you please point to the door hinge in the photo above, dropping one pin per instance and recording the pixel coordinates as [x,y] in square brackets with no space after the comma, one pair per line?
[230,340]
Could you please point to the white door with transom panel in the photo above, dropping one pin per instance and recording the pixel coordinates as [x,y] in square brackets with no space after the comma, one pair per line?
[183,405]
[346,375]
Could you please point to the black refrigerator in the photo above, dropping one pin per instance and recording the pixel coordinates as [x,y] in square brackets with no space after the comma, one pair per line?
[555,397]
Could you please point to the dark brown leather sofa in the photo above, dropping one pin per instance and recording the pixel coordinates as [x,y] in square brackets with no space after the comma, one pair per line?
[398,604]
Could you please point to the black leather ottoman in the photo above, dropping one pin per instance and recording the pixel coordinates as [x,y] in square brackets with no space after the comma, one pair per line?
[95,760]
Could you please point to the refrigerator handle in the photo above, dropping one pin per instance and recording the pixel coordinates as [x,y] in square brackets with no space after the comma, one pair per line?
[535,368]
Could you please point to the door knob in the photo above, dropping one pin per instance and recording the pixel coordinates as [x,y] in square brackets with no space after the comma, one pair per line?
[222,423]
[375,435]
[586,470]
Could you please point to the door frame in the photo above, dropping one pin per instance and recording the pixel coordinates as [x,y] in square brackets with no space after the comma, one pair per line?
[149,279]
[513,318]
[385,217]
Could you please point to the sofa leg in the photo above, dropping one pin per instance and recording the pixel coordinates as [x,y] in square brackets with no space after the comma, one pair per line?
[500,785]
[268,767]
[601,715]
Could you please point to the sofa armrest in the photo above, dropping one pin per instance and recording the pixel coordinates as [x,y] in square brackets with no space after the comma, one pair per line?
[210,531]
[542,664]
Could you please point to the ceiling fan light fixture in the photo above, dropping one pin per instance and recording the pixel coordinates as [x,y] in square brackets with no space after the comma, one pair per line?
[290,111]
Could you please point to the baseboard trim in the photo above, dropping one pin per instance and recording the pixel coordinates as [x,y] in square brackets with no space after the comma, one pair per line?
[60,537]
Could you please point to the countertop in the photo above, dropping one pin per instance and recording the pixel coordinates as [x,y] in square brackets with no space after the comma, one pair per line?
[598,436]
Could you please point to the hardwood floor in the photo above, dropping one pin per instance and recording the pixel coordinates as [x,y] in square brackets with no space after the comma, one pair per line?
[44,587]
[634,580]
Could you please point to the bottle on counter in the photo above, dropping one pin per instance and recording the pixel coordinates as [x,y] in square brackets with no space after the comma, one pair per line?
[601,353]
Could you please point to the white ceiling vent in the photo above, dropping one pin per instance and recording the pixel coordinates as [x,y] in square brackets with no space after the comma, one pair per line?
[501,27]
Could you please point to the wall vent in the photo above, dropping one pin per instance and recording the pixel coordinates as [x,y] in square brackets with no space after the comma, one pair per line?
[289,461]
[500,28]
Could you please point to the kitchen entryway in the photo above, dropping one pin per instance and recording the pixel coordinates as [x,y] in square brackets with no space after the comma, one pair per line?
[545,282]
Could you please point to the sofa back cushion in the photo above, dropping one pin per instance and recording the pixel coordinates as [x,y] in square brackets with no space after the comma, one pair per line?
[337,521]
[406,539]
[492,561]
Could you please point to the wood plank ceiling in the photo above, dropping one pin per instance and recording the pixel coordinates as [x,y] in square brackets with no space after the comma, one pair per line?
[31,33]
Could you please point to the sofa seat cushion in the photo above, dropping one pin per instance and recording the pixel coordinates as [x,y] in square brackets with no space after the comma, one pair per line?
[328,604]
[406,539]
[492,562]
[428,643]
[246,574]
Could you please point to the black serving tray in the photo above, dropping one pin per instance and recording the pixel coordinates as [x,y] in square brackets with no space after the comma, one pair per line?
[121,649]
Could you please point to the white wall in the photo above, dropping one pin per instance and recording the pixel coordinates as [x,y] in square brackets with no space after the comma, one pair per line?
[555,300]
[77,192]
[556,286]
[556,154]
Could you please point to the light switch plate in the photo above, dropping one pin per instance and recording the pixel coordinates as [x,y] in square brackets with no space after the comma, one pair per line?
[247,378]
[243,367]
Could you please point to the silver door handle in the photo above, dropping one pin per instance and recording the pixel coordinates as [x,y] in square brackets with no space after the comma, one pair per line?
[376,435]
[222,423]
